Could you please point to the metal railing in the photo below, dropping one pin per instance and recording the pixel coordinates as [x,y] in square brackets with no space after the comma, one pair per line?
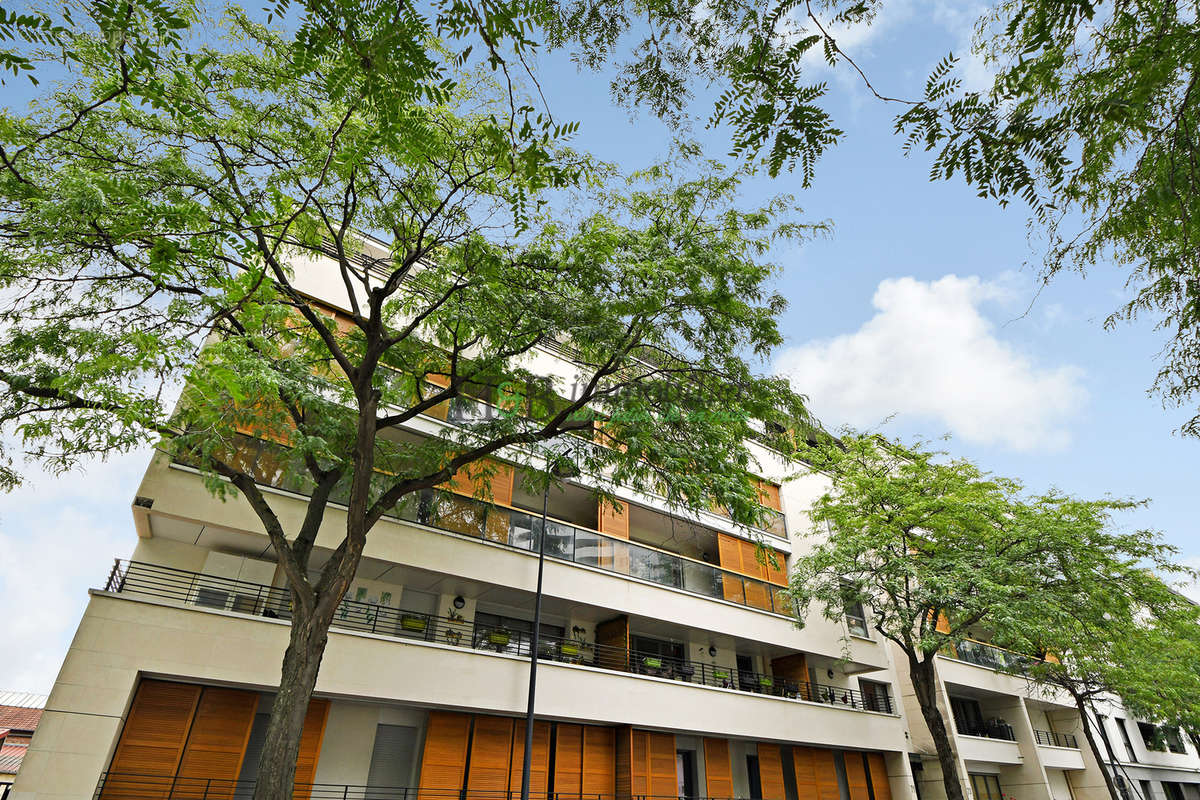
[454,513]
[987,655]
[226,594]
[992,729]
[132,786]
[1053,739]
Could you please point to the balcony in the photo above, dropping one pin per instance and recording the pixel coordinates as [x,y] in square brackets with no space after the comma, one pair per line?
[250,599]
[987,655]
[1052,739]
[512,527]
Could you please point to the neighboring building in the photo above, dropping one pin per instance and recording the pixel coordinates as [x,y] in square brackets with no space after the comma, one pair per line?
[672,668]
[20,713]
[1148,762]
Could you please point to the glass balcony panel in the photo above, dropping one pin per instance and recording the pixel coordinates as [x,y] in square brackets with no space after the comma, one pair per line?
[560,540]
[522,532]
[593,549]
[701,579]
[733,588]
[758,594]
[457,514]
[651,565]
[781,601]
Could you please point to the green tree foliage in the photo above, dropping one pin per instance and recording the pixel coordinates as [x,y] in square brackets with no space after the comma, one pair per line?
[175,238]
[940,551]
[1094,120]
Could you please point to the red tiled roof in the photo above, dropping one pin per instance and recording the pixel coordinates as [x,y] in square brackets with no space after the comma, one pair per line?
[19,718]
[10,756]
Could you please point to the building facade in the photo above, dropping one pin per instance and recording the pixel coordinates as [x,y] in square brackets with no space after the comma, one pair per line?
[670,663]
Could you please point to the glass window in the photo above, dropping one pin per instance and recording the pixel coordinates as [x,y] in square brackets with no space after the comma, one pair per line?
[986,787]
[875,695]
[1123,727]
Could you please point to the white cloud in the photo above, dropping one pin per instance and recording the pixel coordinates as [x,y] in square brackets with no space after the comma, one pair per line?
[58,537]
[930,356]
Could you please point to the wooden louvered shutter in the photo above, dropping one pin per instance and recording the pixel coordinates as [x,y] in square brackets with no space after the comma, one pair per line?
[470,480]
[718,772]
[639,763]
[804,759]
[879,776]
[768,495]
[826,772]
[856,775]
[444,760]
[770,772]
[212,759]
[776,573]
[152,741]
[539,765]
[311,737]
[729,552]
[491,753]
[663,778]
[623,762]
[614,522]
[599,766]
[612,644]
[568,759]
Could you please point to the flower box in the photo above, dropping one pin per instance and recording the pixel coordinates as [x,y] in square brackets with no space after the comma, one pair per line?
[410,622]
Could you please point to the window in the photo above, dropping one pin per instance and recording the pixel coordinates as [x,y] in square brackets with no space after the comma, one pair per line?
[1161,738]
[211,598]
[856,615]
[968,716]
[875,695]
[1124,729]
[1174,741]
[985,787]
[1172,790]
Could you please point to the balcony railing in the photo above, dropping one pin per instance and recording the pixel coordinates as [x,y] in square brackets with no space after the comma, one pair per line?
[987,655]
[1052,739]
[130,786]
[992,729]
[454,513]
[225,594]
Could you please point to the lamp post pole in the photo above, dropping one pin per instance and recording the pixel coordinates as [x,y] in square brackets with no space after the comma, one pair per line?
[557,469]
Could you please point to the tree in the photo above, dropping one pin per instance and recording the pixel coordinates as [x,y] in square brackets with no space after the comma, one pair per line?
[938,549]
[1093,119]
[1115,628]
[147,244]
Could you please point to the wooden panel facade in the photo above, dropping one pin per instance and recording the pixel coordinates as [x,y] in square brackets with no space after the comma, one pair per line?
[599,761]
[311,737]
[856,775]
[539,765]
[612,644]
[568,759]
[153,737]
[212,759]
[718,771]
[444,761]
[879,776]
[770,772]
[491,755]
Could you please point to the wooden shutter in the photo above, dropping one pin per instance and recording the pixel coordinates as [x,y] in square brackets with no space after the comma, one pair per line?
[768,495]
[943,624]
[729,551]
[662,778]
[212,759]
[792,668]
[471,481]
[741,556]
[152,740]
[623,762]
[770,772]
[539,765]
[599,761]
[491,754]
[311,737]
[568,759]
[879,776]
[444,761]
[639,763]
[826,772]
[777,573]
[614,522]
[804,759]
[758,595]
[856,775]
[718,772]
[612,644]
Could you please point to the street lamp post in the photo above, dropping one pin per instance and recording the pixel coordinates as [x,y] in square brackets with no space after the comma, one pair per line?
[559,469]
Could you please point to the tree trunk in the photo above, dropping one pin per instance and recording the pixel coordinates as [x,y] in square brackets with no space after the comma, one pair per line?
[301,662]
[924,681]
[1091,740]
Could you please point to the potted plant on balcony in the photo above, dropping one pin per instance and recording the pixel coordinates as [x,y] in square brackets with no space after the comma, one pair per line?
[722,676]
[499,638]
[569,649]
[766,682]
[651,663]
[455,626]
[414,622]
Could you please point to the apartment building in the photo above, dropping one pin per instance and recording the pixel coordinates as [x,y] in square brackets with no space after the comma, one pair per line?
[1014,740]
[670,663]
[1147,761]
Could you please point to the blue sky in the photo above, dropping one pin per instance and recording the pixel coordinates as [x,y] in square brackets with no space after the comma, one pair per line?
[914,309]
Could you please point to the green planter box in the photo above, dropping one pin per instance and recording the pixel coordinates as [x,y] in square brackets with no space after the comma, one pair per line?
[652,663]
[499,638]
[569,649]
[413,623]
